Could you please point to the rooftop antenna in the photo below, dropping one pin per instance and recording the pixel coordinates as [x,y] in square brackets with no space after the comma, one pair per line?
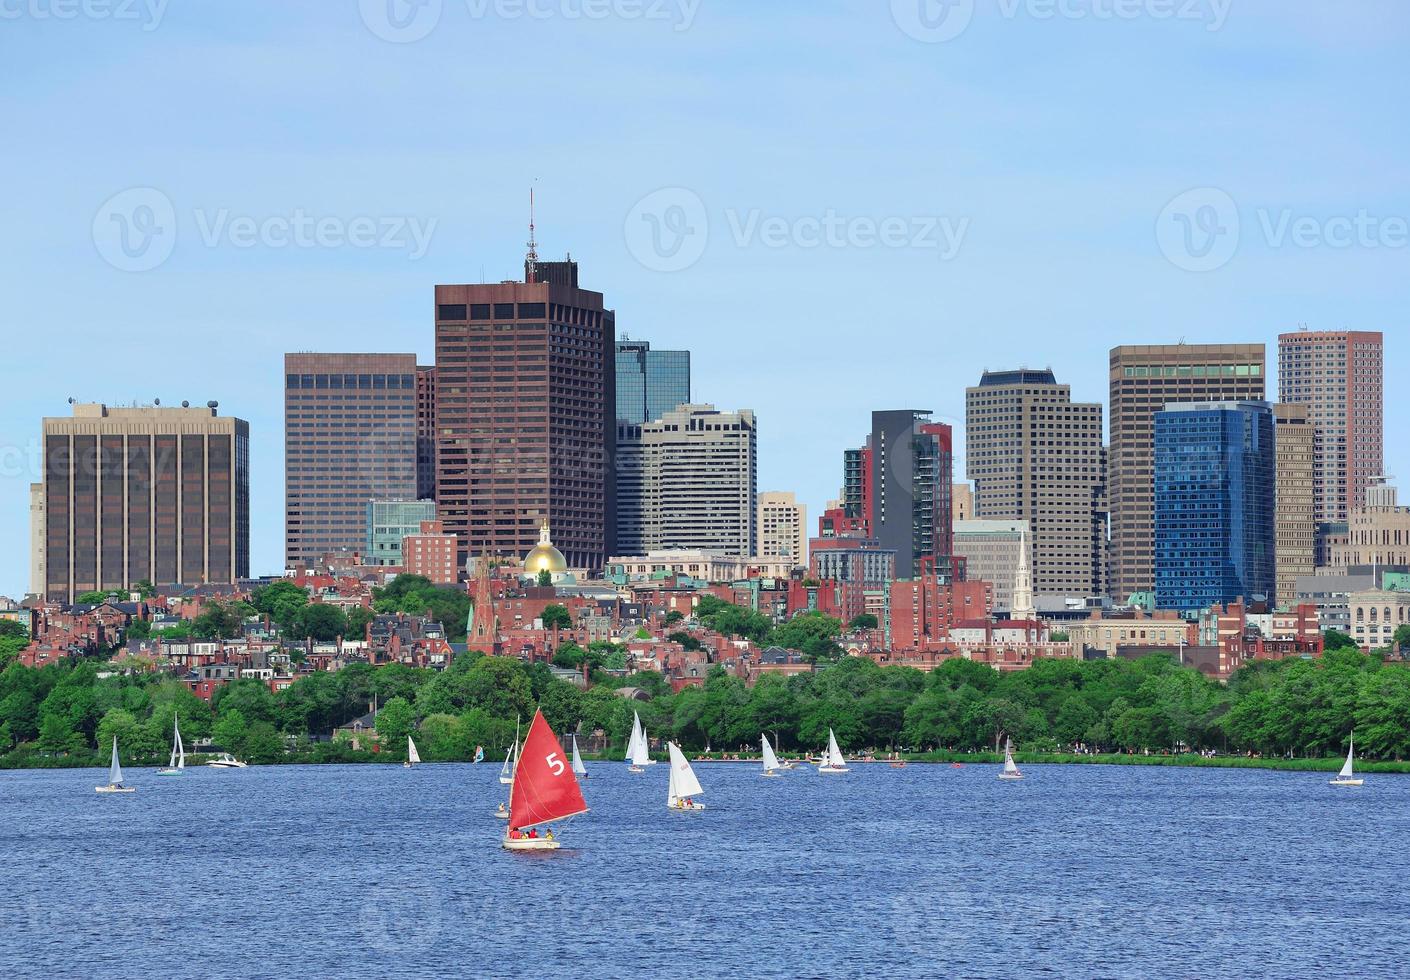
[532,259]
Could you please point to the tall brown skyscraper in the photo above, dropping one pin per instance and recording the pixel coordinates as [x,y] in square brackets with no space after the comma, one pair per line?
[1297,524]
[525,415]
[349,438]
[1144,379]
[152,493]
[1035,455]
[1339,376]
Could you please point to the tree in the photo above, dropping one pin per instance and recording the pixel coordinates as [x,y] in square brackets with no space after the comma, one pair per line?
[93,598]
[220,620]
[1333,640]
[319,622]
[358,618]
[262,745]
[229,731]
[9,629]
[545,579]
[814,634]
[673,617]
[395,721]
[1402,638]
[866,621]
[556,617]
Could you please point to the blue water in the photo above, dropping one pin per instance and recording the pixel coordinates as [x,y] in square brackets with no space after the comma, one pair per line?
[922,872]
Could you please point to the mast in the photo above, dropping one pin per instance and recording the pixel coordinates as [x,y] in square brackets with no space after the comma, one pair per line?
[531,260]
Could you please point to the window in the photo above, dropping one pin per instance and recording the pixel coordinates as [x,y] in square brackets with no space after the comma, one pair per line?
[451,311]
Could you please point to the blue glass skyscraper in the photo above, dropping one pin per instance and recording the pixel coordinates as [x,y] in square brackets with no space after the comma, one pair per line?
[650,382]
[1215,504]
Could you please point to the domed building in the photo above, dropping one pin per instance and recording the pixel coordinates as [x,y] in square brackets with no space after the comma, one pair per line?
[544,557]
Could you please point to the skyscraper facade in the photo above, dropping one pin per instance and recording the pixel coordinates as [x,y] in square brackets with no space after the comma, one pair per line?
[425,433]
[910,478]
[389,522]
[1034,455]
[1297,524]
[783,527]
[161,494]
[698,477]
[1144,379]
[525,399]
[991,549]
[1215,504]
[350,437]
[650,382]
[1339,376]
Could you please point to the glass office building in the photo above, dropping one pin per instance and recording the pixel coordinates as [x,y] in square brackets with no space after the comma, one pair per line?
[1215,504]
[650,383]
[388,522]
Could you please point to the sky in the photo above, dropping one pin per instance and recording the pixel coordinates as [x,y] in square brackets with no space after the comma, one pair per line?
[837,206]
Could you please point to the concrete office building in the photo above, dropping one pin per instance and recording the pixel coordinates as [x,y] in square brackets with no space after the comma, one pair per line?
[37,582]
[1144,379]
[1215,505]
[1296,516]
[525,405]
[991,551]
[962,502]
[783,527]
[161,494]
[350,428]
[1339,376]
[689,482]
[1378,533]
[1034,455]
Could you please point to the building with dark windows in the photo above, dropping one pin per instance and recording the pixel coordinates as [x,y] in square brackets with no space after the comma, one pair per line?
[525,403]
[425,433]
[1144,379]
[350,437]
[1215,504]
[650,382]
[389,522]
[151,493]
[909,477]
[1036,456]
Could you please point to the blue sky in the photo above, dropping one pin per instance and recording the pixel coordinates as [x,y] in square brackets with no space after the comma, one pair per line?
[1018,191]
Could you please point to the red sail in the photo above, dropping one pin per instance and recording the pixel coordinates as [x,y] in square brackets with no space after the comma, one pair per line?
[545,788]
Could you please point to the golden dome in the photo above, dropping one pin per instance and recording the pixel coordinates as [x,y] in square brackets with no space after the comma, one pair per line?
[544,557]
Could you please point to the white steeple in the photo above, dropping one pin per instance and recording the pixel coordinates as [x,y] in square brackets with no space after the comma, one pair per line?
[1023,608]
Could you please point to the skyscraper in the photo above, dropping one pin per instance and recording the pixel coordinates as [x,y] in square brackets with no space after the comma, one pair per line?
[350,432]
[525,398]
[1338,375]
[911,475]
[425,433]
[783,527]
[161,494]
[1034,455]
[650,382]
[1215,504]
[697,469]
[1297,524]
[1144,379]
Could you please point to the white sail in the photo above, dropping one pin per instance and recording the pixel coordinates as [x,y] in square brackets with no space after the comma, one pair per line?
[635,737]
[1010,767]
[683,784]
[578,768]
[115,771]
[640,753]
[178,750]
[770,760]
[1348,771]
[412,756]
[508,769]
[834,754]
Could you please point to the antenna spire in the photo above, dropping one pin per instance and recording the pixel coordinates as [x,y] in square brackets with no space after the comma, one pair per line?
[531,260]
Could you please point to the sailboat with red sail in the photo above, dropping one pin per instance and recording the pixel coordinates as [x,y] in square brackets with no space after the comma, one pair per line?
[545,791]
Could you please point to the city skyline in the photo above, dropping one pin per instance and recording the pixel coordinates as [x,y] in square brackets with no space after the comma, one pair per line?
[1062,258]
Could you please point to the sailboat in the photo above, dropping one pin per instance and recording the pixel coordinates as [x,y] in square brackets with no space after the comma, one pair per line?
[833,761]
[579,769]
[637,753]
[479,753]
[545,790]
[683,787]
[1347,776]
[1010,772]
[413,757]
[511,760]
[771,766]
[177,765]
[115,776]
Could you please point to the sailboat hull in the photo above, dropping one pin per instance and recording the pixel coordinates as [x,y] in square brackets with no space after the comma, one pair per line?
[114,789]
[832,770]
[771,775]
[1010,777]
[1347,782]
[690,807]
[530,844]
[506,780]
[171,772]
[635,769]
